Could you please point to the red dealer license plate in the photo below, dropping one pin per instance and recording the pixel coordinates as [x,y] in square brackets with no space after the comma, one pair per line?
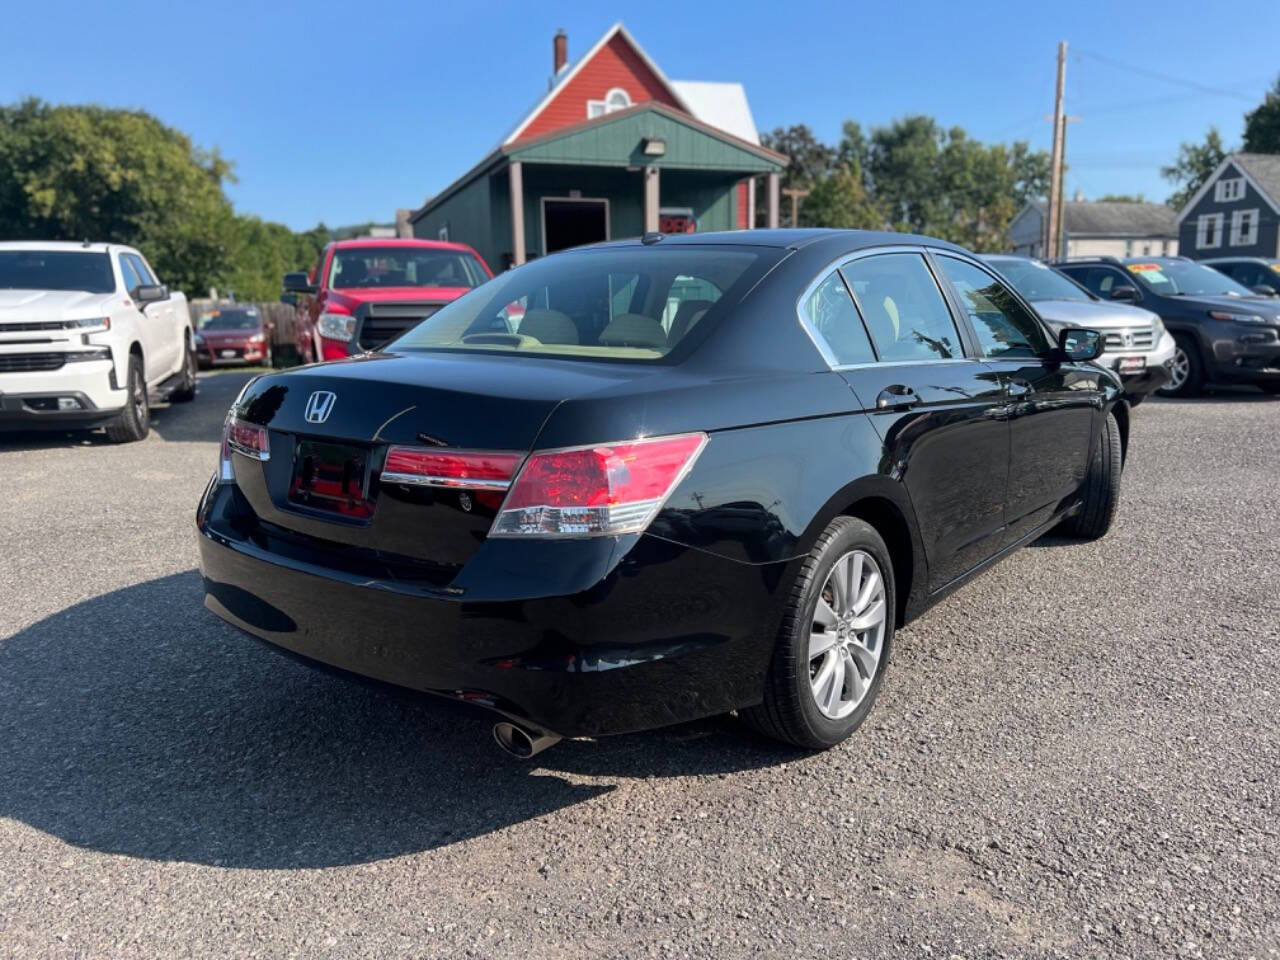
[1132,364]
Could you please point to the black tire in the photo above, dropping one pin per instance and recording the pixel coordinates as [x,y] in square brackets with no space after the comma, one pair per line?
[1271,388]
[789,711]
[186,392]
[1135,399]
[1101,486]
[1193,385]
[134,422]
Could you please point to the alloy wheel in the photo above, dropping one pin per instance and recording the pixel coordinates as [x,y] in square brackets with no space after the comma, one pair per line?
[847,634]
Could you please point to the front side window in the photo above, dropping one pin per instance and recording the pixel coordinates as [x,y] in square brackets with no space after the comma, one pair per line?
[1004,327]
[831,316]
[1035,281]
[906,315]
[140,268]
[611,304]
[56,270]
[373,267]
[1098,280]
[129,273]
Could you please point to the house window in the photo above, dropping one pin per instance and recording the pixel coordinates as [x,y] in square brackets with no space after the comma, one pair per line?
[1208,231]
[615,99]
[1244,228]
[1230,189]
[1146,249]
[443,233]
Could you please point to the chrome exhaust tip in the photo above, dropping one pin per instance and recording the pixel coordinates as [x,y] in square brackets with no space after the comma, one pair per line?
[521,741]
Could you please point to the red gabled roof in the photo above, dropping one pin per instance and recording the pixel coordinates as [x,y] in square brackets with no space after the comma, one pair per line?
[615,62]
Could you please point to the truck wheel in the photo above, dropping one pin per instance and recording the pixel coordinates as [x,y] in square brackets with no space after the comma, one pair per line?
[186,392]
[833,646]
[1186,370]
[1101,486]
[134,422]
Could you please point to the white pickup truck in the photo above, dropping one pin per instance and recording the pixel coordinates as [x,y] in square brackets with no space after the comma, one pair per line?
[88,337]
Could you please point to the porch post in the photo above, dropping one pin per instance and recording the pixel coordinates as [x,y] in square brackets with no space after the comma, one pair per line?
[773,200]
[751,203]
[516,172]
[650,199]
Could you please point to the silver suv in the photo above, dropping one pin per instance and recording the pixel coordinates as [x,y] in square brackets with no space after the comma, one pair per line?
[1138,347]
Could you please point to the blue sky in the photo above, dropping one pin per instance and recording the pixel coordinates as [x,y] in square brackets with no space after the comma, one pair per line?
[342,112]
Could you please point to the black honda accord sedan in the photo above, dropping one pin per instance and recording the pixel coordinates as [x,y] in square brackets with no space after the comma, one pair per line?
[649,481]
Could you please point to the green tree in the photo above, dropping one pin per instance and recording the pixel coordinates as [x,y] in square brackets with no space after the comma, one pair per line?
[74,173]
[840,199]
[1262,124]
[1122,198]
[1193,166]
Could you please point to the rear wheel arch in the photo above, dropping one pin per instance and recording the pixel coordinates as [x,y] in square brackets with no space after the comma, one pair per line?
[1121,413]
[889,520]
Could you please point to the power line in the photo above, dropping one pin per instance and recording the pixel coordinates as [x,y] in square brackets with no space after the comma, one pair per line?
[1154,75]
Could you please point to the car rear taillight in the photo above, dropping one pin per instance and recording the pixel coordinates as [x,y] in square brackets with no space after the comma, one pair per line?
[462,469]
[605,489]
[245,438]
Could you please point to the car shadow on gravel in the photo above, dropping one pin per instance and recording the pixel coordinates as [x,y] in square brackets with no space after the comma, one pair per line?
[137,723]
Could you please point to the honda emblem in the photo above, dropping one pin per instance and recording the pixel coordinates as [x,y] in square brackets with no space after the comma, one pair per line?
[320,405]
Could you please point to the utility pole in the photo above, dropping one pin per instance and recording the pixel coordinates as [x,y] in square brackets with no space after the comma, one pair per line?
[1053,227]
[796,196]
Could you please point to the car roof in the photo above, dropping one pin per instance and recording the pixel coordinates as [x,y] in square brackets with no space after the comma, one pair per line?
[787,238]
[1263,260]
[356,242]
[64,245]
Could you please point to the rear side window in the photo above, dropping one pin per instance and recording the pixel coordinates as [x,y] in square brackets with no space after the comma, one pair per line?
[904,309]
[622,303]
[832,317]
[1004,327]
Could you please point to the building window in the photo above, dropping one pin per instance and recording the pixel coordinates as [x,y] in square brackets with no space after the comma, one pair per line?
[1244,228]
[1146,249]
[443,233]
[1226,190]
[615,99]
[1208,231]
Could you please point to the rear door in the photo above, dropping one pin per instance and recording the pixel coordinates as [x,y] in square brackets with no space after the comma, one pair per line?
[938,409]
[1053,407]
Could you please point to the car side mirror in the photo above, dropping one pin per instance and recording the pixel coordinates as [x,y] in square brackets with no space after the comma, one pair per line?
[1126,293]
[298,283]
[1076,344]
[145,293]
[1266,289]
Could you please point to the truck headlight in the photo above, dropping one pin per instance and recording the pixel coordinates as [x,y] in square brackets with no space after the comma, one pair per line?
[83,356]
[336,326]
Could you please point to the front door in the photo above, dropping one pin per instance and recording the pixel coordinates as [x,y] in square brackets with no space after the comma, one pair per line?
[1053,407]
[940,412]
[573,222]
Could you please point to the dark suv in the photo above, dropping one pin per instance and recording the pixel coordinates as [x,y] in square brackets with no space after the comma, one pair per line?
[1225,332]
[1259,274]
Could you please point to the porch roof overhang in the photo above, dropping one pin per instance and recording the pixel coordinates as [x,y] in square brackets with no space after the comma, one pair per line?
[617,140]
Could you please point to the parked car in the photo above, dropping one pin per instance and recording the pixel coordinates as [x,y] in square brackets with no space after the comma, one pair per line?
[1138,347]
[1259,274]
[363,293]
[88,337]
[233,335]
[611,521]
[1225,333]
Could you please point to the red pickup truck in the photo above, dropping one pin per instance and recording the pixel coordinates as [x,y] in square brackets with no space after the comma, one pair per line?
[364,293]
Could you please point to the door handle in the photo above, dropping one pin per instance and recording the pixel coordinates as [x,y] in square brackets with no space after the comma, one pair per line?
[1019,388]
[897,397]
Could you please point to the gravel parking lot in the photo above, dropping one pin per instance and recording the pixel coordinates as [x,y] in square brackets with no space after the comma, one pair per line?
[1077,755]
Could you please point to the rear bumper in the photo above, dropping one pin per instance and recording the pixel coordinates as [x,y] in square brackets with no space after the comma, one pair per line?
[29,400]
[584,638]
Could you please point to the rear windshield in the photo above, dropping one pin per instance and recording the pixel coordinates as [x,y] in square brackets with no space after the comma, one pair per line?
[1035,281]
[230,320]
[632,303]
[372,267]
[55,270]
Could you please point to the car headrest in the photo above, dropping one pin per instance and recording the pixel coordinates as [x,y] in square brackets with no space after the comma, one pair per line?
[549,326]
[689,313]
[634,330]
